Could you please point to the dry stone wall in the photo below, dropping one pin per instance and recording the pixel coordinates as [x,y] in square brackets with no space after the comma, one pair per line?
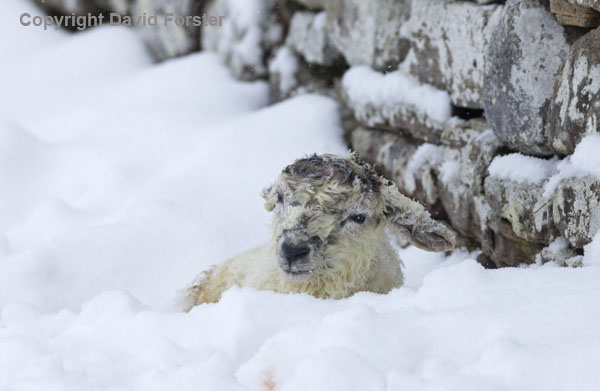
[481,110]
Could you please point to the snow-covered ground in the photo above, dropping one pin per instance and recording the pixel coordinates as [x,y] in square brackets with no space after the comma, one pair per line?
[120,180]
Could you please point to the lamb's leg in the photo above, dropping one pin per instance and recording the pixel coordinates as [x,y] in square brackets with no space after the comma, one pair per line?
[204,290]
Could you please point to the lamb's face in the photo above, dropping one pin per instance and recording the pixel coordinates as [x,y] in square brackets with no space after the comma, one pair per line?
[324,207]
[330,209]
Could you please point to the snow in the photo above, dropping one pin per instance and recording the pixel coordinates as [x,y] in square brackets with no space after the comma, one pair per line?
[557,245]
[464,328]
[519,168]
[285,64]
[585,161]
[113,169]
[365,86]
[449,171]
[240,39]
[29,38]
[122,179]
[591,252]
[426,154]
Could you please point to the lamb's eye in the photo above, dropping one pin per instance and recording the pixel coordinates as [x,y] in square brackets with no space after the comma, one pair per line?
[280,198]
[358,218]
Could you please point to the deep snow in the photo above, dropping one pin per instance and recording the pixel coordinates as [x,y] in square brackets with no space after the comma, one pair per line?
[120,180]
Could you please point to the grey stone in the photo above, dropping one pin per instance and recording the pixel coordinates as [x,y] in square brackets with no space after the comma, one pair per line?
[595,4]
[416,172]
[521,210]
[576,209]
[290,75]
[449,181]
[403,120]
[512,251]
[284,68]
[388,150]
[452,176]
[572,14]
[575,106]
[393,153]
[171,40]
[458,133]
[307,35]
[525,52]
[394,112]
[246,39]
[122,7]
[448,46]
[576,261]
[461,180]
[313,4]
[368,32]
[79,7]
[559,252]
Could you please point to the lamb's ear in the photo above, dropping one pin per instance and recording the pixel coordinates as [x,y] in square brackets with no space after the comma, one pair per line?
[414,222]
[268,194]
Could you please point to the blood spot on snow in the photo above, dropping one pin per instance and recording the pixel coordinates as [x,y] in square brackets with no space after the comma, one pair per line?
[268,381]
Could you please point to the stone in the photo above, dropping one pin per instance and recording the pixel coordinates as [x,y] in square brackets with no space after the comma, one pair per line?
[595,4]
[576,209]
[512,251]
[450,181]
[122,7]
[369,32]
[571,14]
[396,102]
[448,46]
[389,151]
[521,210]
[418,174]
[575,106]
[66,7]
[251,31]
[307,35]
[458,133]
[283,74]
[392,155]
[314,5]
[522,63]
[560,253]
[290,75]
[461,177]
[171,40]
[82,7]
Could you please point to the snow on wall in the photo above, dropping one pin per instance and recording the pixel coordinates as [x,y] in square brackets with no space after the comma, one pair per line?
[365,86]
[584,161]
[519,168]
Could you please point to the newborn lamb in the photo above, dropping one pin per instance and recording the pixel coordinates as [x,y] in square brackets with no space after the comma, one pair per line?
[330,215]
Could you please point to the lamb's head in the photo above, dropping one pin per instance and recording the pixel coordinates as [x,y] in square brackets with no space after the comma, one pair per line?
[330,209]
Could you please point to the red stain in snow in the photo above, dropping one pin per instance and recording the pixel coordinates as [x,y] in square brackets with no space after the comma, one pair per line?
[268,381]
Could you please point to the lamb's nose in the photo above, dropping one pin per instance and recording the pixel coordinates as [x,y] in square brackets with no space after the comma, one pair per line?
[293,253]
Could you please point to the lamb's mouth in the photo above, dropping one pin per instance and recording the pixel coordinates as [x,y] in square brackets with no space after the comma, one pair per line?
[296,274]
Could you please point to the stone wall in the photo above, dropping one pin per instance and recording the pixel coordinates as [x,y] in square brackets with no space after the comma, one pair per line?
[447,96]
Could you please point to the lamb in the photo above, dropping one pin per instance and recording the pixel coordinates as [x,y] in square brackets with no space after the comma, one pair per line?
[329,235]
